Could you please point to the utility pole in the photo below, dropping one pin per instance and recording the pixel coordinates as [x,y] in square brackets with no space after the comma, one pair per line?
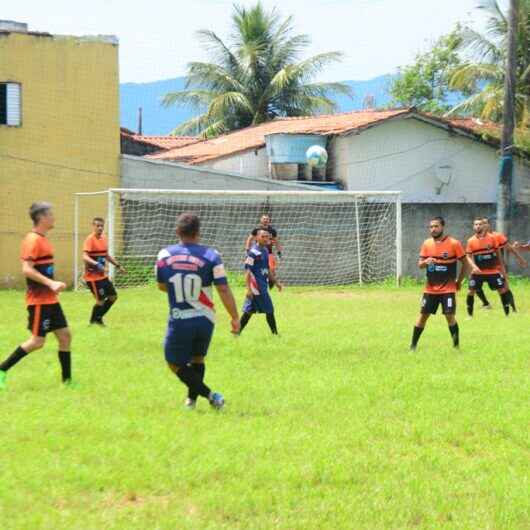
[139,120]
[504,199]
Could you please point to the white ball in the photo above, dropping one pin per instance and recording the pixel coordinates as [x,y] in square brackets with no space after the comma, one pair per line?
[316,156]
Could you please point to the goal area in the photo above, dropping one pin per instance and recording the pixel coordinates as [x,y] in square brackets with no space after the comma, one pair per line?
[328,237]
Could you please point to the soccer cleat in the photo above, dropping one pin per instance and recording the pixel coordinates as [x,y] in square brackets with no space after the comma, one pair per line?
[98,322]
[190,404]
[72,385]
[216,400]
[3,377]
[488,306]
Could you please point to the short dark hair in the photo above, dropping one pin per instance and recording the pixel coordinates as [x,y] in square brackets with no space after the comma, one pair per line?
[440,219]
[98,220]
[38,209]
[487,219]
[478,218]
[188,224]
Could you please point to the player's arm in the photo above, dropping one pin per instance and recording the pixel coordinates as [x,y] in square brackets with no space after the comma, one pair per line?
[29,271]
[247,283]
[464,265]
[88,260]
[278,246]
[513,250]
[229,303]
[501,262]
[525,247]
[116,264]
[275,280]
[248,242]
[424,262]
[472,267]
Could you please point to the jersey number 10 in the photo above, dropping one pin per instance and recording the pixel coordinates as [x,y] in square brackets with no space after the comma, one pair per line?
[187,287]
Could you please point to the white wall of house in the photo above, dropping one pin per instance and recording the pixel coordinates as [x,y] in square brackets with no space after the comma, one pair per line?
[417,158]
[253,164]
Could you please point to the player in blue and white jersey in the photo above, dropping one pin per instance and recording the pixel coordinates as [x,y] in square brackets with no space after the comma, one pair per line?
[258,278]
[186,271]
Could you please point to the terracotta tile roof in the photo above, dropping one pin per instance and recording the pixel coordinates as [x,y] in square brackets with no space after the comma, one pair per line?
[254,137]
[162,142]
[250,138]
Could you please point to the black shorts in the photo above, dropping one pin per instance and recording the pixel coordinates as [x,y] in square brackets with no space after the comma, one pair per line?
[101,289]
[430,303]
[45,318]
[495,281]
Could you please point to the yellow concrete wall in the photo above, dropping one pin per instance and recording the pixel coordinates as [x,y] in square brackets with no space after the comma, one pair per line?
[68,141]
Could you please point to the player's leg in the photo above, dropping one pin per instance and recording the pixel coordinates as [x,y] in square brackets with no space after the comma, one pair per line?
[247,312]
[197,363]
[483,299]
[475,283]
[449,309]
[498,283]
[271,321]
[64,339]
[95,317]
[272,268]
[34,343]
[510,297]
[110,296]
[429,306]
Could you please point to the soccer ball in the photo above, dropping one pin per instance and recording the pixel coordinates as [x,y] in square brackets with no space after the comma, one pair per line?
[316,156]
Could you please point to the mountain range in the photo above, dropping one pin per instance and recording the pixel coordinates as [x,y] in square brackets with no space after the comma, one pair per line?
[158,120]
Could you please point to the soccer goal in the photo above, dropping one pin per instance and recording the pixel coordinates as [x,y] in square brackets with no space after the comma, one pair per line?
[328,237]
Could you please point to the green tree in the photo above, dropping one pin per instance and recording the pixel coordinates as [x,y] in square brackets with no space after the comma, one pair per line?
[482,73]
[254,77]
[425,83]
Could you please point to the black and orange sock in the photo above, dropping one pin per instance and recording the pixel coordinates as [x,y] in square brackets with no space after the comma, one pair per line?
[66,365]
[200,369]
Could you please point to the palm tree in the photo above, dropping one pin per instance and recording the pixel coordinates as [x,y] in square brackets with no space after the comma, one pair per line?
[255,77]
[482,74]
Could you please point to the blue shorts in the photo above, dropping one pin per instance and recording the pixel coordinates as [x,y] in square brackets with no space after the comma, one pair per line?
[260,303]
[186,339]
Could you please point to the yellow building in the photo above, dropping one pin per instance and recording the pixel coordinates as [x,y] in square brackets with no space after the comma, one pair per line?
[59,134]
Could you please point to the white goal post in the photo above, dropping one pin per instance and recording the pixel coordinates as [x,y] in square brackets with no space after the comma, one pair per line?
[328,237]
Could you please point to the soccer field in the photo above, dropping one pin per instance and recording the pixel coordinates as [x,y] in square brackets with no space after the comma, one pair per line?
[332,425]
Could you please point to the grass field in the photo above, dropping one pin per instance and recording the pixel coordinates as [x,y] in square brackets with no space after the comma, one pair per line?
[332,425]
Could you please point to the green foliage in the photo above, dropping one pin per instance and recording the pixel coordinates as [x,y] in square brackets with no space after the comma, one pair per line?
[333,425]
[425,83]
[254,77]
[482,73]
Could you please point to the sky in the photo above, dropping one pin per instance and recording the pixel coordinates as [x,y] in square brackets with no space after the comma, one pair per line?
[157,37]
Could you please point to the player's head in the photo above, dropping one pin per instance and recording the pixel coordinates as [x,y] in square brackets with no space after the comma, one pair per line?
[188,227]
[263,238]
[98,224]
[486,223]
[265,220]
[437,227]
[478,226]
[42,215]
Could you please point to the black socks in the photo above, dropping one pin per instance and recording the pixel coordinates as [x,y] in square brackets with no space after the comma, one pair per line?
[200,369]
[193,381]
[244,321]
[271,321]
[482,296]
[470,302]
[66,365]
[505,298]
[511,300]
[13,359]
[105,307]
[455,334]
[416,334]
[95,314]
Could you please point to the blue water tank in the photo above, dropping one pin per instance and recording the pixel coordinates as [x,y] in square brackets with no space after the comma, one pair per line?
[291,148]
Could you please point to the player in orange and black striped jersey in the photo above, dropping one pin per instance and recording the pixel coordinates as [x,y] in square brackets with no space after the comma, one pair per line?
[503,243]
[440,255]
[95,255]
[45,312]
[483,249]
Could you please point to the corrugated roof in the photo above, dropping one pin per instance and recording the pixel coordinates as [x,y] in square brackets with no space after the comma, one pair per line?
[164,143]
[330,125]
[254,137]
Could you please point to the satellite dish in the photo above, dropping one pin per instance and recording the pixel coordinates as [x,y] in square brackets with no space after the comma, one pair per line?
[444,172]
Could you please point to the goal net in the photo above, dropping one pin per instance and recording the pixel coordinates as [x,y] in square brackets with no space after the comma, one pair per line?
[328,237]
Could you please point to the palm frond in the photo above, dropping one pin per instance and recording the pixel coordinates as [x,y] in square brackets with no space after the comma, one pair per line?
[225,103]
[193,98]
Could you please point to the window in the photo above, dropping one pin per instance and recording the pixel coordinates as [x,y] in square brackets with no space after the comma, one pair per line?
[10,104]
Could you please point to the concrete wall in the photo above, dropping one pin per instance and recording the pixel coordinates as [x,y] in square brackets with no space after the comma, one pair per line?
[138,172]
[69,140]
[409,155]
[459,219]
[251,164]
